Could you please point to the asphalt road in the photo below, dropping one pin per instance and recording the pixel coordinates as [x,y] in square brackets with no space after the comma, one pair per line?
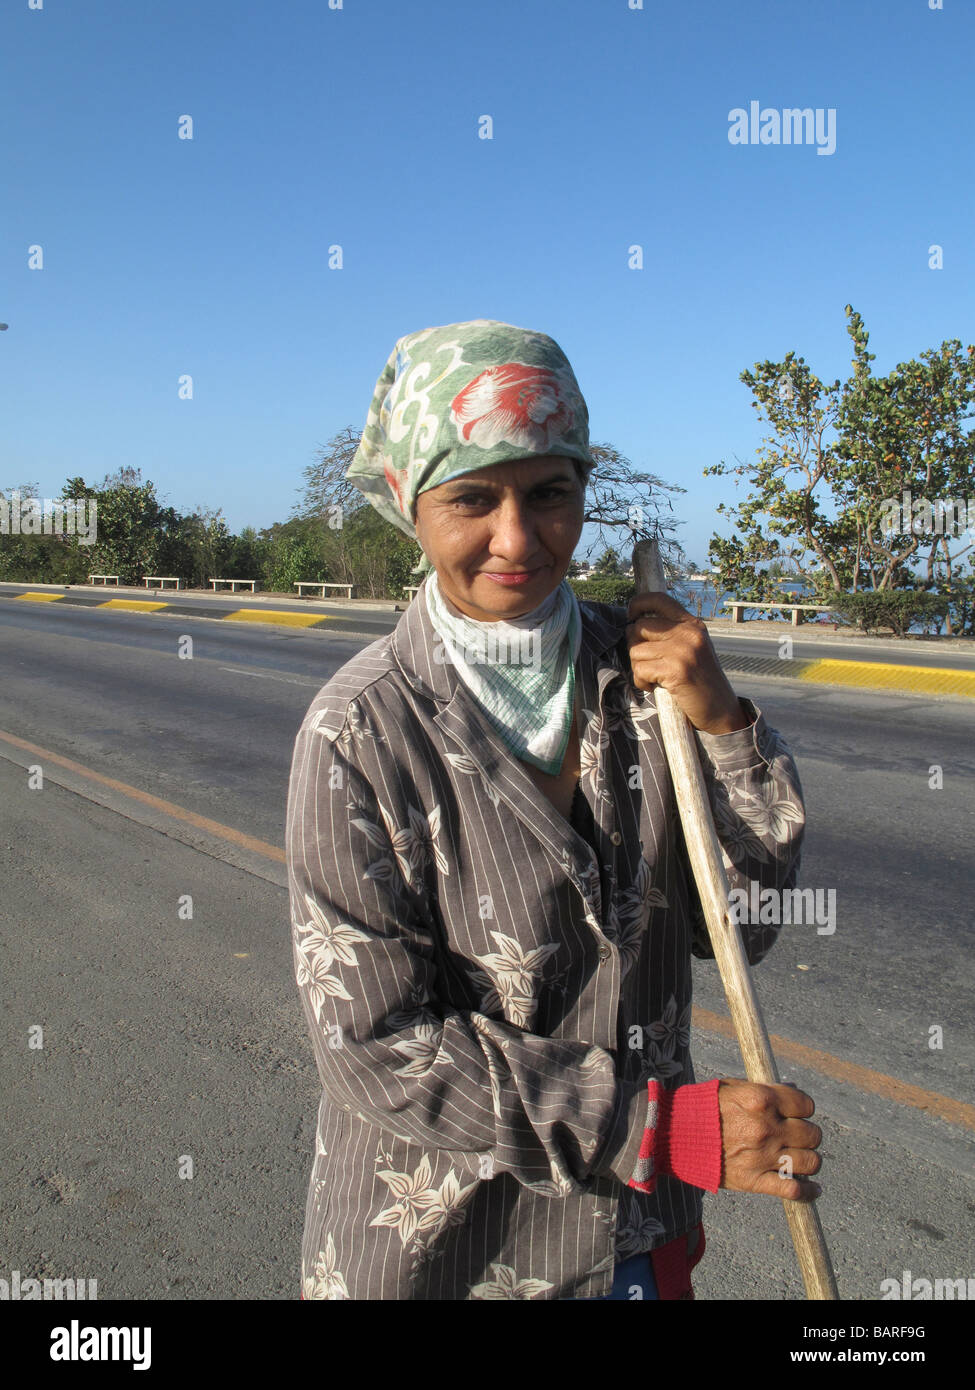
[753,639]
[169,1038]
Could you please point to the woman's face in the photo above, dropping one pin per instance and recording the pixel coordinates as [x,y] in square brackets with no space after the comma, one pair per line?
[509,518]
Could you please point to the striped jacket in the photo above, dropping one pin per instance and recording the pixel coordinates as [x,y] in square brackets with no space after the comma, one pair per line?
[487,998]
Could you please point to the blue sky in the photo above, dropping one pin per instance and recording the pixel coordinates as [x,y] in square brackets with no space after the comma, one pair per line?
[358,127]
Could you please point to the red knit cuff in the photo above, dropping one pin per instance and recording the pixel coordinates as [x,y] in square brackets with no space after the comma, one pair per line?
[682,1137]
[688,1144]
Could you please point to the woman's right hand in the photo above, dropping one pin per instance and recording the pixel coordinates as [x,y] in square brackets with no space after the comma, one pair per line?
[767,1143]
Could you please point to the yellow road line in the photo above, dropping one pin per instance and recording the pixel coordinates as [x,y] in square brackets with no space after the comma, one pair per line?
[40,598]
[934,680]
[133,605]
[225,832]
[277,616]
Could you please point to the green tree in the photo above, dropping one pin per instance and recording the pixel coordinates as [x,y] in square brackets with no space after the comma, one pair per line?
[906,432]
[290,551]
[247,555]
[608,563]
[822,480]
[196,547]
[132,524]
[24,559]
[292,558]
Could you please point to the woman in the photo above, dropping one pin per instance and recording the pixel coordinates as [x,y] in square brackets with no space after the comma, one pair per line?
[493,918]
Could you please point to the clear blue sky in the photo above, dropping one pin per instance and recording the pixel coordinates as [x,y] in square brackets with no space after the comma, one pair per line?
[359,127]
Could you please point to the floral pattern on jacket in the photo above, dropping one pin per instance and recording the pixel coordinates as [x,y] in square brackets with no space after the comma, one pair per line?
[486,993]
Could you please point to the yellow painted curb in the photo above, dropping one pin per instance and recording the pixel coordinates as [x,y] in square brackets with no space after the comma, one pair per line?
[41,598]
[133,605]
[260,615]
[934,680]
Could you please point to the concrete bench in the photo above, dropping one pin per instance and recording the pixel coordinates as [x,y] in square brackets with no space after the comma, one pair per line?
[233,584]
[152,580]
[105,578]
[411,591]
[738,607]
[322,585]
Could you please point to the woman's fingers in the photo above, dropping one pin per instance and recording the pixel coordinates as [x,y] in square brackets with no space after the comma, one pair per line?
[792,1101]
[768,1140]
[790,1189]
[657,616]
[801,1161]
[660,603]
[683,662]
[800,1134]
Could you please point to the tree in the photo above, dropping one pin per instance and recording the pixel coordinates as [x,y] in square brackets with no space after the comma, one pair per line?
[247,555]
[904,433]
[132,524]
[197,547]
[293,558]
[326,485]
[824,480]
[608,563]
[618,497]
[25,557]
[381,558]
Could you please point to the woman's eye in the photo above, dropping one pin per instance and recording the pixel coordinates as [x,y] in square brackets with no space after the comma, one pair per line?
[473,499]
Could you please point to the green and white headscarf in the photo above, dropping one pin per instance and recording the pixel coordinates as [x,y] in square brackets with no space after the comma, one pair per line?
[449,401]
[454,399]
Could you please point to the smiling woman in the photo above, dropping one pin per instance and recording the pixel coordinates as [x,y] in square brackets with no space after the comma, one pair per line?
[492,912]
[499,548]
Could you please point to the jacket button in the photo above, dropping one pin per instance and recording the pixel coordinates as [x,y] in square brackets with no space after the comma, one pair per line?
[604,953]
[616,837]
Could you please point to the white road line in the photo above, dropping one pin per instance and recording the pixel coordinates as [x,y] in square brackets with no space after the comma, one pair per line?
[272,676]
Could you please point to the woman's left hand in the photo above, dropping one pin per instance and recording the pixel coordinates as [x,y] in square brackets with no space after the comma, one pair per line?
[672,648]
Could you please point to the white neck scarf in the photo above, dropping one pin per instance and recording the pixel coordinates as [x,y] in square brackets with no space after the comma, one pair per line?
[521,672]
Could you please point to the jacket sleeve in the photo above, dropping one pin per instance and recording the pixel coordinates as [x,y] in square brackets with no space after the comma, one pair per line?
[760,818]
[372,971]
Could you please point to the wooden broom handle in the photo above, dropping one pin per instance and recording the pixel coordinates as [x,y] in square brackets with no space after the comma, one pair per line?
[704,852]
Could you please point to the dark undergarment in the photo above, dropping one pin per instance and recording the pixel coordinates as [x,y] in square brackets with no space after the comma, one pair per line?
[581,818]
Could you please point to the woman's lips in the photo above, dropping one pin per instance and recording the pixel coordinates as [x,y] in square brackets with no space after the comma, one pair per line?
[510,580]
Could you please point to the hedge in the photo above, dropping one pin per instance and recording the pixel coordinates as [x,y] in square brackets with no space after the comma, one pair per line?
[605,589]
[897,609]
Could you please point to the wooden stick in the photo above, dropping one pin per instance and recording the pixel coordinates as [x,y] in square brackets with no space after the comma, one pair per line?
[704,852]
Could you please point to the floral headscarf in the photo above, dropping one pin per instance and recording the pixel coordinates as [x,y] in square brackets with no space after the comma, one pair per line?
[461,397]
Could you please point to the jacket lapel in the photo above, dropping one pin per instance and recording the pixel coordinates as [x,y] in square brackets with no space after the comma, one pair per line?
[415,644]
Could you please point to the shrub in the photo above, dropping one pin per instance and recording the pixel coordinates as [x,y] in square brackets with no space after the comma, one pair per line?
[292,559]
[961,604]
[897,609]
[605,589]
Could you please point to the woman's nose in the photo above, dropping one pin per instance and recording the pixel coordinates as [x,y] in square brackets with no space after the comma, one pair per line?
[515,532]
